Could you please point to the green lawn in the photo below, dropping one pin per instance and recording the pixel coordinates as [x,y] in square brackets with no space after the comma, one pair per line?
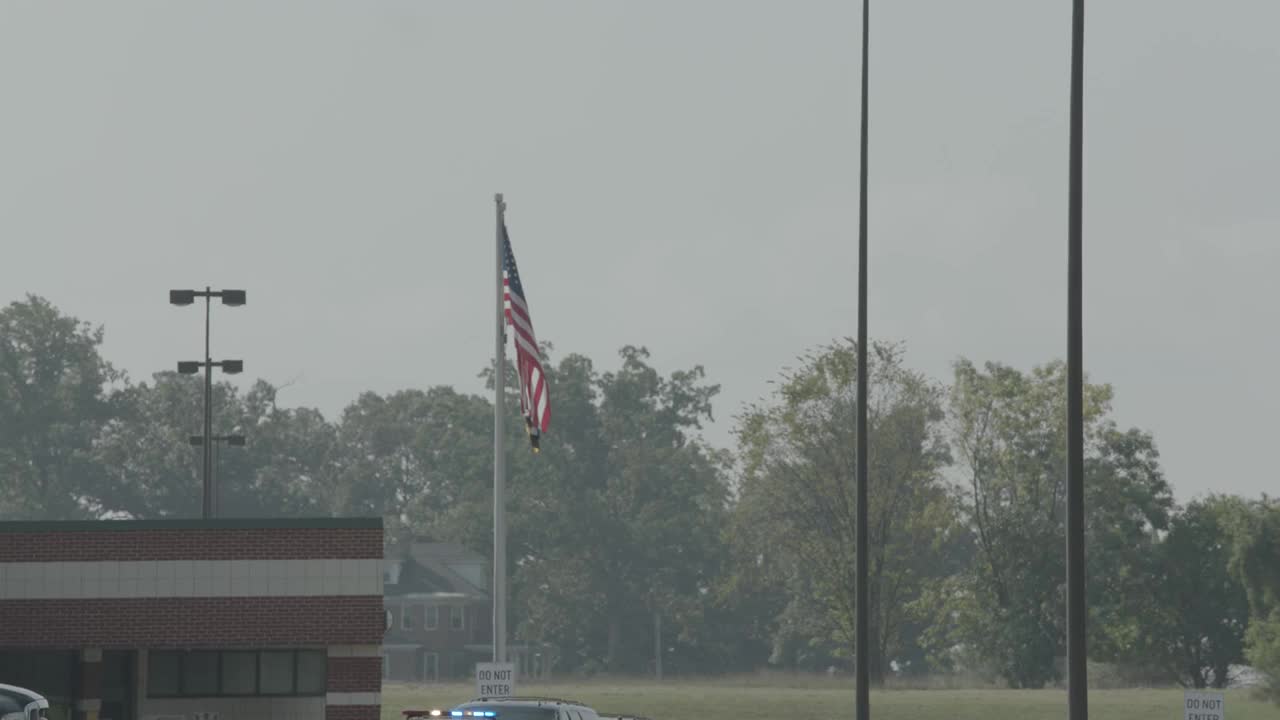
[741,699]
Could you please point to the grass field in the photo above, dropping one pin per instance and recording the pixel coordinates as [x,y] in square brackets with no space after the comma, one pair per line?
[814,699]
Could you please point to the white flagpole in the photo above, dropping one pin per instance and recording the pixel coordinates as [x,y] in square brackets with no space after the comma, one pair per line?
[499,461]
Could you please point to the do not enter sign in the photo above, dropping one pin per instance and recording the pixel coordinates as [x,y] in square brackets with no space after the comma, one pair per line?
[495,680]
[1203,706]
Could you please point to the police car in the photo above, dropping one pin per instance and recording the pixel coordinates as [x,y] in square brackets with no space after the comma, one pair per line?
[518,708]
[21,704]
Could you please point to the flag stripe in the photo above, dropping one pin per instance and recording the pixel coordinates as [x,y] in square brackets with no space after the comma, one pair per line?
[535,402]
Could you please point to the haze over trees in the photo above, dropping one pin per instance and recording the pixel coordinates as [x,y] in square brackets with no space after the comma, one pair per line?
[746,556]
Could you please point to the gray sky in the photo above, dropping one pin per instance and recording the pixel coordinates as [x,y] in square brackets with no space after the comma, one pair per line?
[681,175]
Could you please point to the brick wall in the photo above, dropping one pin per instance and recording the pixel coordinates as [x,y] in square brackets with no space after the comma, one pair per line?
[355,674]
[442,637]
[89,585]
[191,544]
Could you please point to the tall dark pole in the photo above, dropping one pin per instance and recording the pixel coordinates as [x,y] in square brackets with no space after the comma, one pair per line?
[1077,671]
[213,496]
[208,408]
[499,447]
[861,665]
[657,645]
[234,298]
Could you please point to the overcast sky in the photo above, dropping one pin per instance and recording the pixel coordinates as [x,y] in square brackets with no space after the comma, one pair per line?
[681,175]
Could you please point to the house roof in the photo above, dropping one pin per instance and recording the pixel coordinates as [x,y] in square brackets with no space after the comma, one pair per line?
[426,569]
[444,551]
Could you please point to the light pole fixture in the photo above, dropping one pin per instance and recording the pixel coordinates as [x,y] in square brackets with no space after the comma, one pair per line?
[233,298]
[234,440]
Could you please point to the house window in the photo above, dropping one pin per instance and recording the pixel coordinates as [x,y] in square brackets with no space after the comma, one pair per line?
[433,617]
[456,617]
[236,673]
[406,618]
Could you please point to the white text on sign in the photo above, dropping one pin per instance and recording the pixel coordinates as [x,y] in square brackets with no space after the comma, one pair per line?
[495,680]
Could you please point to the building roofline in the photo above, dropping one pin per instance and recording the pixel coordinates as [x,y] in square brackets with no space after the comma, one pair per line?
[390,594]
[39,526]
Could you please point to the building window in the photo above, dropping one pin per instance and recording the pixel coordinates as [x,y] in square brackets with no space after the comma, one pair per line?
[433,617]
[456,617]
[200,674]
[406,618]
[431,667]
[239,673]
[275,673]
[312,679]
[236,673]
[164,675]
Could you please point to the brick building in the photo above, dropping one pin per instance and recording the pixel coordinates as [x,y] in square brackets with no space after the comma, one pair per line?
[249,619]
[438,612]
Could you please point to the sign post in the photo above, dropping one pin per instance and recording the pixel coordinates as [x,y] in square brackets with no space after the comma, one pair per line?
[1200,705]
[495,680]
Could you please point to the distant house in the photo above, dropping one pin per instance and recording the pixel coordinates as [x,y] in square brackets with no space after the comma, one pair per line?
[438,612]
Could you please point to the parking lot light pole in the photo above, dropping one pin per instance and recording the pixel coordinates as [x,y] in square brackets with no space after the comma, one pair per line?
[232,298]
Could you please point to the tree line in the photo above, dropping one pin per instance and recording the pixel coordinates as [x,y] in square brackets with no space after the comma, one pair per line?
[746,555]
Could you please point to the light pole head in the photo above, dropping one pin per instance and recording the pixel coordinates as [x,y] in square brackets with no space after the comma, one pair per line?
[188,367]
[182,297]
[232,367]
[234,298]
[235,440]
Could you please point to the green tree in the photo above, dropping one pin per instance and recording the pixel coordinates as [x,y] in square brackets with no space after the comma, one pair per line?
[417,458]
[55,396]
[152,470]
[1256,562]
[1190,622]
[1009,431]
[285,469]
[797,505]
[620,517]
[291,466]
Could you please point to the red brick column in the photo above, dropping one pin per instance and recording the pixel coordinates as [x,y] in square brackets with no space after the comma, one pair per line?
[355,674]
[89,701]
[354,683]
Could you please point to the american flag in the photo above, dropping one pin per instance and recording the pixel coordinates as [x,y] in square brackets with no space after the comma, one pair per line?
[535,405]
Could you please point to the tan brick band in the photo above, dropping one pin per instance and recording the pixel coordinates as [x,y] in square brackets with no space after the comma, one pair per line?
[353,712]
[189,578]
